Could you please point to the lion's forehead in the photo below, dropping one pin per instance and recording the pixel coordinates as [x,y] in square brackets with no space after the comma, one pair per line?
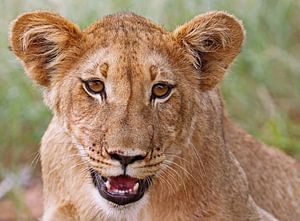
[131,46]
[123,65]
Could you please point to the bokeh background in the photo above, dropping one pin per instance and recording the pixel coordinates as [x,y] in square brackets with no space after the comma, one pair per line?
[262,89]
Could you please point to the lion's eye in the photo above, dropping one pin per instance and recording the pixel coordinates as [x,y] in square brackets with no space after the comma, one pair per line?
[161,90]
[94,86]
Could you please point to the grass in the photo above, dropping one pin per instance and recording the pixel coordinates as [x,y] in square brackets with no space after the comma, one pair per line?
[262,90]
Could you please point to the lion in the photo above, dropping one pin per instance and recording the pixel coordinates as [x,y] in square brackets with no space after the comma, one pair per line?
[139,128]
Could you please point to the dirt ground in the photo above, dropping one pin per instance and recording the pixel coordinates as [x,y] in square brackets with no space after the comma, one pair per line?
[33,205]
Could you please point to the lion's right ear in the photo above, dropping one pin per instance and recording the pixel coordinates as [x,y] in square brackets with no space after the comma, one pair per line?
[42,40]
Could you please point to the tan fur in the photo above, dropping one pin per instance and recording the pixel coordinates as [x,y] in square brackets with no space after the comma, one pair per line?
[204,167]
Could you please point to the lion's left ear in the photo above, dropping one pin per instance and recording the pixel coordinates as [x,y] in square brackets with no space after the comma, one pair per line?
[211,41]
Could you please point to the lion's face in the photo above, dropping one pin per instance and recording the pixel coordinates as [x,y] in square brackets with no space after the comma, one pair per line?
[127,105]
[125,90]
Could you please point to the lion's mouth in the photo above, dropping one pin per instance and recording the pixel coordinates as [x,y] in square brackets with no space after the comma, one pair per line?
[122,189]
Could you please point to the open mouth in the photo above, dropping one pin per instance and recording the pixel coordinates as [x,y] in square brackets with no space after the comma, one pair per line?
[121,189]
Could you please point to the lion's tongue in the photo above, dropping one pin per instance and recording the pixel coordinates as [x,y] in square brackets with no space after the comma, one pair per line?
[122,182]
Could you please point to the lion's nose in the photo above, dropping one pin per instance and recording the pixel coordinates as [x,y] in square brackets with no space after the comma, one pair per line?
[125,160]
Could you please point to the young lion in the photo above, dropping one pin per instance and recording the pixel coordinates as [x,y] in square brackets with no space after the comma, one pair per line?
[139,130]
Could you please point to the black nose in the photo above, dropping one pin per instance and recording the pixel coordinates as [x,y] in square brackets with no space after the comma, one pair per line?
[125,160]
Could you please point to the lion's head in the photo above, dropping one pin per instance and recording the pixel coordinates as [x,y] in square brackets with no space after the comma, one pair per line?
[124,89]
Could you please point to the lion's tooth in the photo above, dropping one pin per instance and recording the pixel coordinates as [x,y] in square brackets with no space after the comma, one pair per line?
[107,184]
[136,186]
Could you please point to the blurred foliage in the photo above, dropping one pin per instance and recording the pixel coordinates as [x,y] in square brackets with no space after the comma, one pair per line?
[262,89]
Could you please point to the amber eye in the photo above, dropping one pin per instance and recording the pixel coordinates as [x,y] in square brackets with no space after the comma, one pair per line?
[161,90]
[94,86]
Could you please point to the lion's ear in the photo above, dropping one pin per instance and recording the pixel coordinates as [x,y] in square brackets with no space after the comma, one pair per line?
[42,40]
[211,41]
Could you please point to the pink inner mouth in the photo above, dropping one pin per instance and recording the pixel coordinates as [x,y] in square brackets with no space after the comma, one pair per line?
[120,190]
[122,184]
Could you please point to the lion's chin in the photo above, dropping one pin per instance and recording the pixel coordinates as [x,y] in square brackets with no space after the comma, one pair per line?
[114,211]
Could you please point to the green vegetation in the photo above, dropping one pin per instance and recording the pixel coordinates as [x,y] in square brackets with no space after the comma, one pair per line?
[262,90]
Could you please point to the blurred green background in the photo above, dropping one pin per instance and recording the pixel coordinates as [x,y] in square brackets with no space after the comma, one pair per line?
[262,89]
